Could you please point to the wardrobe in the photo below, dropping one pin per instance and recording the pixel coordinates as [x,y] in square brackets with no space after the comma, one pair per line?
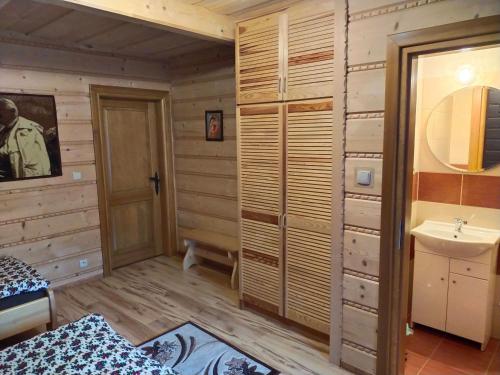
[284,71]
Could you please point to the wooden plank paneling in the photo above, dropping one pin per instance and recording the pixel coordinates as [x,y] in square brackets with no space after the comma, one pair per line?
[367,36]
[360,327]
[206,183]
[109,69]
[215,206]
[53,248]
[369,24]
[33,203]
[359,359]
[52,223]
[87,175]
[361,252]
[215,165]
[202,147]
[361,291]
[190,128]
[19,231]
[206,172]
[366,91]
[189,219]
[365,135]
[362,213]
[70,266]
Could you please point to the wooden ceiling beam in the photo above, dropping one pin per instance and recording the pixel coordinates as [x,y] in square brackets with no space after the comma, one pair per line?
[172,15]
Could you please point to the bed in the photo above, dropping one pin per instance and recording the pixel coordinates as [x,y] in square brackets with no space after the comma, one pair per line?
[86,346]
[26,301]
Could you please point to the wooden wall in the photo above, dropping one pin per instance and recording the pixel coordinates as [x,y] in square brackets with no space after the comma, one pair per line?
[369,23]
[205,172]
[52,223]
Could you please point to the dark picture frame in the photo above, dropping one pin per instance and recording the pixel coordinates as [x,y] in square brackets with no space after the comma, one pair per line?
[214,125]
[37,124]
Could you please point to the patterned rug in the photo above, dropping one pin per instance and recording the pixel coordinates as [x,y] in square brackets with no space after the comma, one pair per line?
[191,350]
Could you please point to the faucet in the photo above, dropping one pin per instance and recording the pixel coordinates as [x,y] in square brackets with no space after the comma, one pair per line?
[459,223]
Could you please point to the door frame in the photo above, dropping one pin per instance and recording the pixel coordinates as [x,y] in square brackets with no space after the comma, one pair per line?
[399,129]
[165,148]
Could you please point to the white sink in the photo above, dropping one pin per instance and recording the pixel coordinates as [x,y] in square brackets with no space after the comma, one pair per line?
[442,238]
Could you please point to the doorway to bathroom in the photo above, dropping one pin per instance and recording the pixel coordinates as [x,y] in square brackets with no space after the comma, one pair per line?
[439,289]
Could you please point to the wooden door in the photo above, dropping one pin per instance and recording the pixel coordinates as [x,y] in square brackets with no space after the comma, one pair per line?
[430,290]
[467,307]
[308,212]
[130,158]
[309,56]
[259,59]
[261,197]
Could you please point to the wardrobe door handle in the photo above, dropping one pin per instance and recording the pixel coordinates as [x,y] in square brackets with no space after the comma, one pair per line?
[279,85]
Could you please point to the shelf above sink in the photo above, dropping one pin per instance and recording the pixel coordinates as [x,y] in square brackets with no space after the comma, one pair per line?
[442,238]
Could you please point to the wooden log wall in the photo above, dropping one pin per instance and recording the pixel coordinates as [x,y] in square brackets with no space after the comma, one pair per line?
[52,223]
[205,171]
[369,22]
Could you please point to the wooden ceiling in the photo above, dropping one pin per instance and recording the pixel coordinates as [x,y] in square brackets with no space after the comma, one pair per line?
[51,25]
[28,21]
[241,9]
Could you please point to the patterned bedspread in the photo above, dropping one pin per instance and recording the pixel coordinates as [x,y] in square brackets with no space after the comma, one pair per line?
[86,346]
[17,277]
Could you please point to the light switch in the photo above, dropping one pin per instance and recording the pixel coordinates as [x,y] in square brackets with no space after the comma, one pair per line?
[77,175]
[364,177]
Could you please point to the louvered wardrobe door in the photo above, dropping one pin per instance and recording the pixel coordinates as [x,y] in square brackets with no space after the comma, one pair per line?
[310,56]
[259,60]
[308,208]
[261,195]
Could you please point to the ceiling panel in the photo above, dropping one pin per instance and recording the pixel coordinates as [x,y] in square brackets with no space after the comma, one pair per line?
[153,46]
[24,16]
[180,50]
[238,8]
[75,27]
[58,27]
[121,36]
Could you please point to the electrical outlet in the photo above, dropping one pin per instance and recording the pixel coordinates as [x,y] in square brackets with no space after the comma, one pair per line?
[84,263]
[77,175]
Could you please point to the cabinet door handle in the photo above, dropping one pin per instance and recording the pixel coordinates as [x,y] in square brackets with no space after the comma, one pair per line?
[279,85]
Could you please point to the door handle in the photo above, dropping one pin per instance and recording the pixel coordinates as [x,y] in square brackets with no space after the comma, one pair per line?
[156,180]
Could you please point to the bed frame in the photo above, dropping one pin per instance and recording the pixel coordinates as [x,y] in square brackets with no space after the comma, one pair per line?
[29,315]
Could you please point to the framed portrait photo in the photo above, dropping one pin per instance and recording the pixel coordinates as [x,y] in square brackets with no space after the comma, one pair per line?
[29,138]
[214,128]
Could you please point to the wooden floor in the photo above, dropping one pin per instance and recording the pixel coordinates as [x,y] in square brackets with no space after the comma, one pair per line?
[145,299]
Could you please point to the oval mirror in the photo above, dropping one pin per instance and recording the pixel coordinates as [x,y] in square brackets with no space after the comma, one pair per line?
[463,131]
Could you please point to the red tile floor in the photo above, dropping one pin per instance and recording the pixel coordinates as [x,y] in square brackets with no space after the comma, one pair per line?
[431,352]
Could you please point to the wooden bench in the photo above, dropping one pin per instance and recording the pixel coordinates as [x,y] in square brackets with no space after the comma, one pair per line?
[203,244]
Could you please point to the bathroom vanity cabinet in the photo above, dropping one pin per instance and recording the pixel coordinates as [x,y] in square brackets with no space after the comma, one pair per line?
[455,295]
